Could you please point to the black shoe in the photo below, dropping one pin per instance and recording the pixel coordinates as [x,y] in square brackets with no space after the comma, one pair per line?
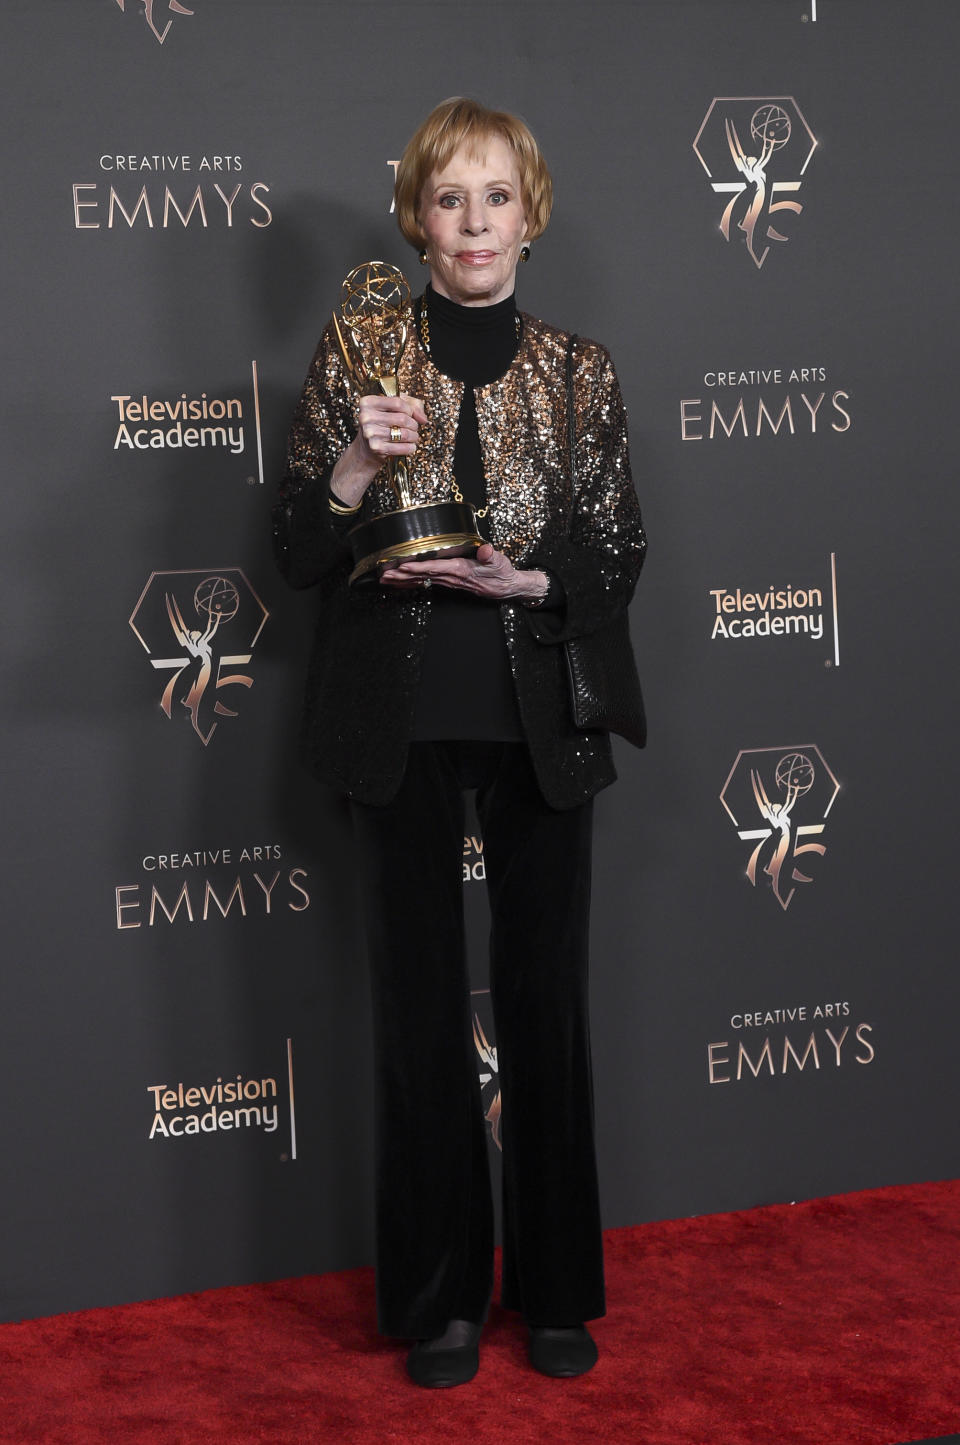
[562,1352]
[452,1359]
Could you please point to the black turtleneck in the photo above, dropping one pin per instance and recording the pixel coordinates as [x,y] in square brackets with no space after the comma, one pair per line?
[466,689]
[474,344]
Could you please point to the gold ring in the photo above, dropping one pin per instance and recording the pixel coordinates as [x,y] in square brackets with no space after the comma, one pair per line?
[396,434]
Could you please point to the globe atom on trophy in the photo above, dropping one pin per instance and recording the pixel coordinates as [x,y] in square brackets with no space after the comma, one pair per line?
[372,328]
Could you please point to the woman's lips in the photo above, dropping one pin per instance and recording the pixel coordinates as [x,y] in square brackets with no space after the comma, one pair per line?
[476,258]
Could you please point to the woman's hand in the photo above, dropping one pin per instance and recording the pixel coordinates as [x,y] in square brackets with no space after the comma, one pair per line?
[489,574]
[389,427]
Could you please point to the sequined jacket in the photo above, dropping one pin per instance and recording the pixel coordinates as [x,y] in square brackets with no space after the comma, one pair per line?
[364,670]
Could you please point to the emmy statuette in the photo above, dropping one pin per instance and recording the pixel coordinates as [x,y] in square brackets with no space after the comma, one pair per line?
[372,330]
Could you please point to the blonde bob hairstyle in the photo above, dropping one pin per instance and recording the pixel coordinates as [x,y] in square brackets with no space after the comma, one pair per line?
[457,122]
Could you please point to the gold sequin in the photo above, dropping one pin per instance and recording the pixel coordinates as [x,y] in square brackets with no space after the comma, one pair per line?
[521,419]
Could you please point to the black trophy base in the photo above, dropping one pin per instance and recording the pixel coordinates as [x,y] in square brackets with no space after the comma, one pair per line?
[413,534]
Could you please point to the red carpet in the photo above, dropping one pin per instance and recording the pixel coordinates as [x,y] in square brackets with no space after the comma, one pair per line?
[833,1321]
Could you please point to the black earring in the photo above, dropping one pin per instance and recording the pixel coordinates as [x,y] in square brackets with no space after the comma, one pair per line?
[423,255]
[524,253]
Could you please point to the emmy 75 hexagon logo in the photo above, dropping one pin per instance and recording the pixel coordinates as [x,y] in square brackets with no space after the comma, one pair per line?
[199,630]
[755,149]
[787,794]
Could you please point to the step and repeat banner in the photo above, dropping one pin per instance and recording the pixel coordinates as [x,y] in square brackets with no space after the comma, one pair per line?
[755,213]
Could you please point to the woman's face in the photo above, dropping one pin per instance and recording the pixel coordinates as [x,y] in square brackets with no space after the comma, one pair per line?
[472,215]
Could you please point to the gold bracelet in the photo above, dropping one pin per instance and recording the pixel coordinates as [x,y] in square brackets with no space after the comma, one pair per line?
[341,509]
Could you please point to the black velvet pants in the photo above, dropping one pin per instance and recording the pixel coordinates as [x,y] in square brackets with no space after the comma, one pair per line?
[434,1207]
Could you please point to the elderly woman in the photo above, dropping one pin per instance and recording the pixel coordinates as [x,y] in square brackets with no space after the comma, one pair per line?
[449,675]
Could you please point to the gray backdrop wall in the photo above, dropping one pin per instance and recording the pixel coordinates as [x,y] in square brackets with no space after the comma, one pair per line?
[186,1054]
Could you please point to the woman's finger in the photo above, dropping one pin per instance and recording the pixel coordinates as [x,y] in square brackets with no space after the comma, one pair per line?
[490,574]
[390,425]
[408,410]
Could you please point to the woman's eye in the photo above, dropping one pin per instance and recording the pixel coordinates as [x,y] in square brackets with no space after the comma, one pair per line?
[448,202]
[498,198]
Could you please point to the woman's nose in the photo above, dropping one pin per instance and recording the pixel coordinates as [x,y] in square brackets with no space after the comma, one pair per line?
[473,217]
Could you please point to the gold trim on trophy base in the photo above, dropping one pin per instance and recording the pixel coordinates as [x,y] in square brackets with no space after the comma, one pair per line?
[424,549]
[420,533]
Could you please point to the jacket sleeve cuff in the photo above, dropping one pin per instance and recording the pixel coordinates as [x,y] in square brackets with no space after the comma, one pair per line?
[595,588]
[306,543]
